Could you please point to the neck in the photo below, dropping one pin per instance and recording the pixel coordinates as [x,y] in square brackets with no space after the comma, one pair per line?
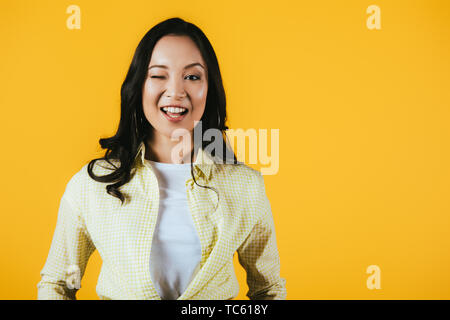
[161,148]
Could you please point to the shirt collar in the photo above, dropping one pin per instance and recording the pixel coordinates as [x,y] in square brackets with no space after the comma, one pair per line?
[202,165]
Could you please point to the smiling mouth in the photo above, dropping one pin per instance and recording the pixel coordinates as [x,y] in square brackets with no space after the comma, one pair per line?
[174,114]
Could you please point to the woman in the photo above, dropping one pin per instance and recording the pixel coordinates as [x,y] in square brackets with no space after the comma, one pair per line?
[161,234]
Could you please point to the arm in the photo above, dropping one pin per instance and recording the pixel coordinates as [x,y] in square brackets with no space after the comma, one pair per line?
[258,254]
[70,250]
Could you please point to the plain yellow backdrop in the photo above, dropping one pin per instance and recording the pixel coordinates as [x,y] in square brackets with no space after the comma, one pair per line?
[363,116]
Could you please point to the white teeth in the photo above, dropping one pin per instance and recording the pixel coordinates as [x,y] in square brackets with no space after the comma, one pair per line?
[174,109]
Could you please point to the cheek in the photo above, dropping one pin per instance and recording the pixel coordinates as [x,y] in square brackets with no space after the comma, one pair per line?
[200,93]
[199,101]
[149,97]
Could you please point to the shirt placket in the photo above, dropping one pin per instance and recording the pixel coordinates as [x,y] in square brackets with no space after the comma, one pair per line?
[152,208]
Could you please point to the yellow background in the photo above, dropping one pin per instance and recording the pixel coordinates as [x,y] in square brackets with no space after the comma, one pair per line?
[363,116]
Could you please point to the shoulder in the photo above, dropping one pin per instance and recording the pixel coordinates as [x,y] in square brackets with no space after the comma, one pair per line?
[243,177]
[241,170]
[81,183]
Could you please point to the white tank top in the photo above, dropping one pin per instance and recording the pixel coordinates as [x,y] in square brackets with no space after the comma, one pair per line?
[176,251]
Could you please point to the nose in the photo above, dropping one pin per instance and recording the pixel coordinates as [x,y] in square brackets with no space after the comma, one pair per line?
[175,89]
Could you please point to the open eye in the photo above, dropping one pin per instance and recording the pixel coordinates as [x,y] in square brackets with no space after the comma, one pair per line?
[193,75]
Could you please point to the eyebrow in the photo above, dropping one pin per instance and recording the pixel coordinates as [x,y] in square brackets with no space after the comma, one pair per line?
[164,66]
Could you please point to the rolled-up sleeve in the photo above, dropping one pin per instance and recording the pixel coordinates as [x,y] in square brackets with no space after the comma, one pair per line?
[258,254]
[69,253]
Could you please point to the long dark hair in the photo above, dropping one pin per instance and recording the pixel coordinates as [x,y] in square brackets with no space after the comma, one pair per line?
[134,128]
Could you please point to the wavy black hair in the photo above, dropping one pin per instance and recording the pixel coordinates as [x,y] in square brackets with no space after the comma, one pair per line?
[134,128]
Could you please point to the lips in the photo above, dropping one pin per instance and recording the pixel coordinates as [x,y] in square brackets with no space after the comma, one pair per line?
[174,117]
[167,112]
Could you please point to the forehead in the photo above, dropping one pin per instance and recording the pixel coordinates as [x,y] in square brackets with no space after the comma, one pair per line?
[175,51]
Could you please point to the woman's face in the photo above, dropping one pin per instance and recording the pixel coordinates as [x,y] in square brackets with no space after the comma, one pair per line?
[177,76]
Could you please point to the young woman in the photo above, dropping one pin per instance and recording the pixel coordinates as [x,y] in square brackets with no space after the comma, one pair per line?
[160,233]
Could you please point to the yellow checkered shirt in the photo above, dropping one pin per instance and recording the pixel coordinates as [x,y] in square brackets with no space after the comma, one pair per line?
[89,219]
